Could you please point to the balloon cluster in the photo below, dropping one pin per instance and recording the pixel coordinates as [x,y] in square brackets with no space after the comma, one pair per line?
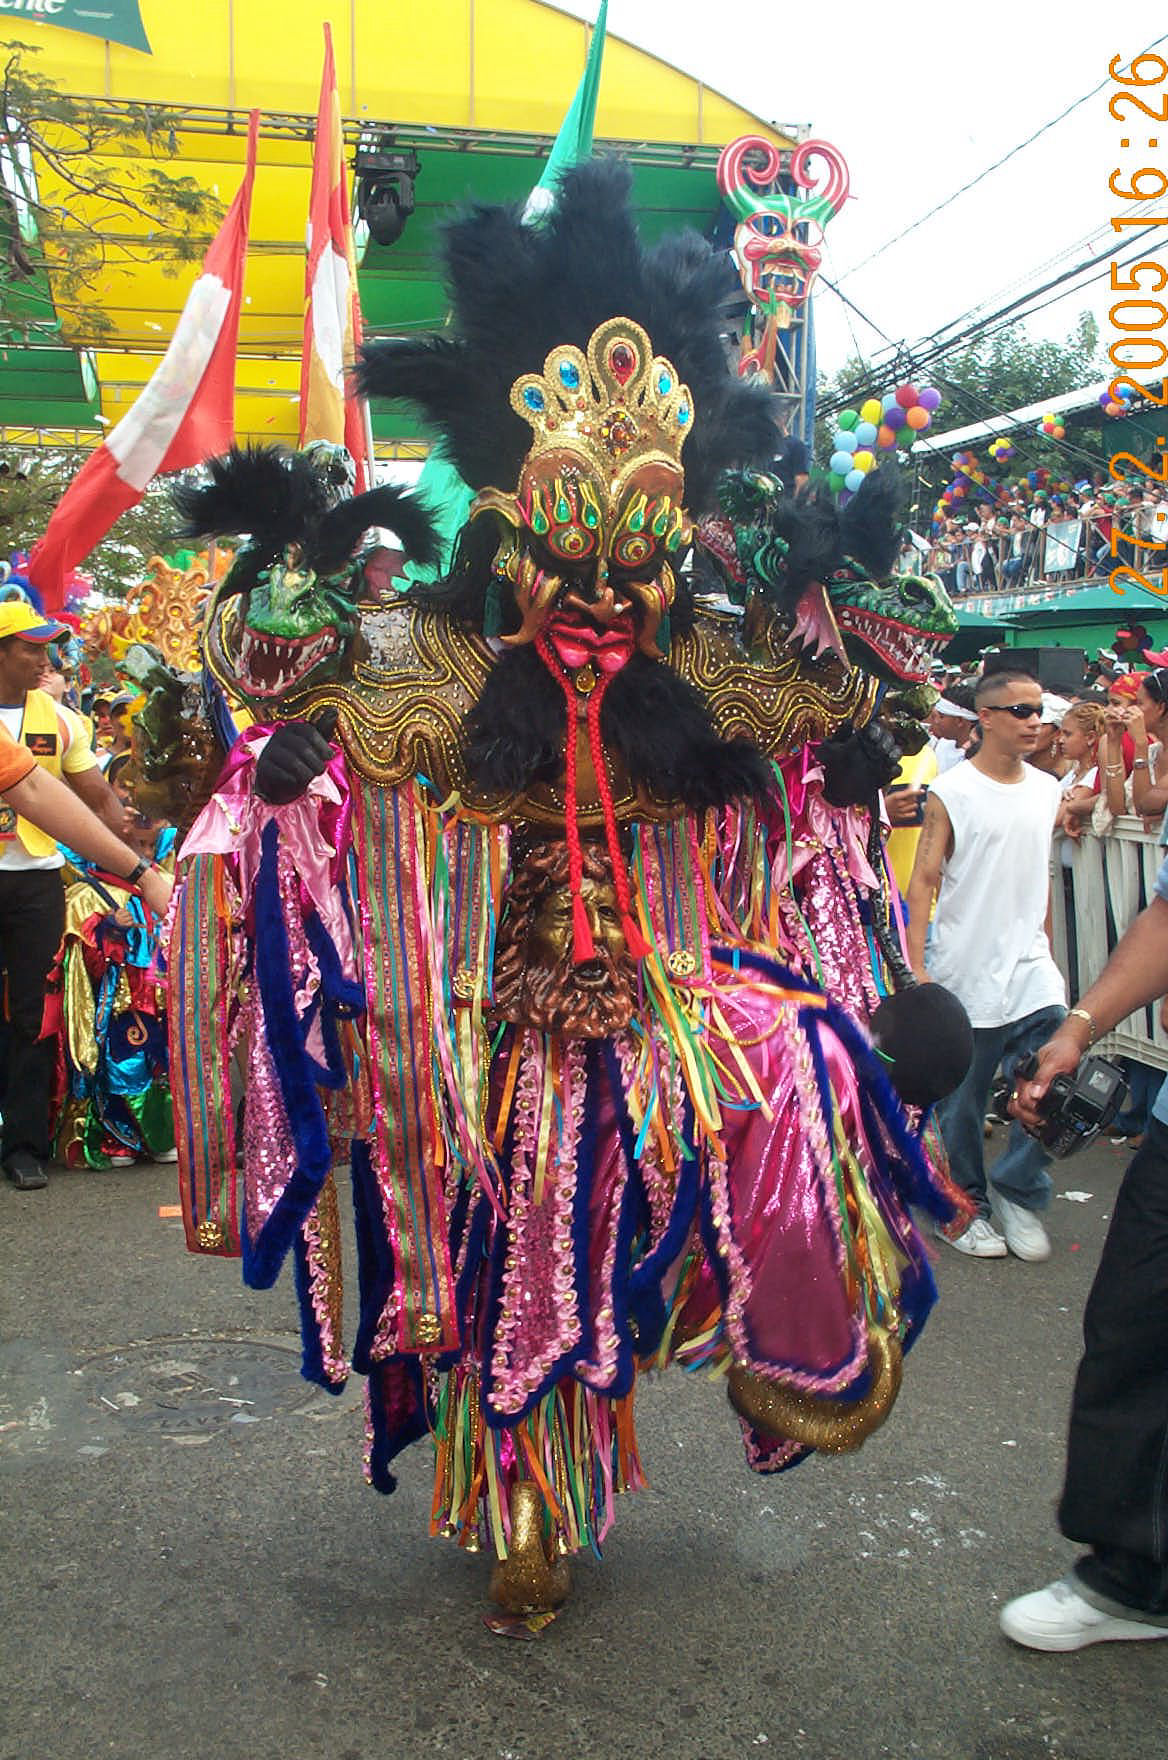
[1001,450]
[1051,426]
[1117,406]
[876,427]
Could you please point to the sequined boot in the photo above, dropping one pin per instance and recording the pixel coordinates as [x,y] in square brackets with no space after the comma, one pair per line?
[531,1579]
[834,1426]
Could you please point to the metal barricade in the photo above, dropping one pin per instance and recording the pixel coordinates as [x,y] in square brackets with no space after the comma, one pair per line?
[1108,884]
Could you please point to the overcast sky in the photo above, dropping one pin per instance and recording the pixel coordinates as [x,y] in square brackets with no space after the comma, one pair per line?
[920,98]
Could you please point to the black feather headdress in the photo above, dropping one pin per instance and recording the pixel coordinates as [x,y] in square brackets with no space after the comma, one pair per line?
[277,498]
[517,291]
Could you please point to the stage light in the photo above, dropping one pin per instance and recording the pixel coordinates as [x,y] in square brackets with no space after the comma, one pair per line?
[385,191]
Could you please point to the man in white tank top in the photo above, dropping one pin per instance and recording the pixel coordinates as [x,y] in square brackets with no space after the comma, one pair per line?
[984,853]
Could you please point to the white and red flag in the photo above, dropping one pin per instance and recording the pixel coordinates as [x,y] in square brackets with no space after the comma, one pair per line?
[329,408]
[184,414]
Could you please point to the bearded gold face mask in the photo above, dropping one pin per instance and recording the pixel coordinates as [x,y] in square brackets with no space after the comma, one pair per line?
[596,522]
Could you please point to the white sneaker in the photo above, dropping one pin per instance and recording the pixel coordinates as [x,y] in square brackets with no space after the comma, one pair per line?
[1025,1235]
[164,1157]
[978,1240]
[122,1160]
[1058,1618]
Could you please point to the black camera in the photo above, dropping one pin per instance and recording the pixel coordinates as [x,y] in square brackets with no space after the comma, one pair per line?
[1075,1108]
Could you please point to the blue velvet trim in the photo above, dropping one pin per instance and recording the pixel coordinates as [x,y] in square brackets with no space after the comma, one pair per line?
[294,1072]
[312,1352]
[374,1254]
[338,998]
[651,1268]
[585,1172]
[387,1444]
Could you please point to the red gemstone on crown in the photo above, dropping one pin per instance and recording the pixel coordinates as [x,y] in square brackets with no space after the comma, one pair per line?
[622,362]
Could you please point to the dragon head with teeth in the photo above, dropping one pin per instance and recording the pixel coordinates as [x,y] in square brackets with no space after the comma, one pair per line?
[829,574]
[286,615]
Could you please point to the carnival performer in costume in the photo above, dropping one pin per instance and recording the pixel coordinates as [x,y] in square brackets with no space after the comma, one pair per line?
[521,942]
[107,1003]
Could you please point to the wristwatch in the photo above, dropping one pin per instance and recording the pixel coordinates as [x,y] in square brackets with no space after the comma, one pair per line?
[141,866]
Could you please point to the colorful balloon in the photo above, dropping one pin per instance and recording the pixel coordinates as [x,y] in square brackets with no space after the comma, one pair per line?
[847,418]
[866,433]
[844,442]
[841,463]
[871,411]
[917,418]
[885,436]
[907,396]
[929,398]
[853,480]
[894,418]
[863,460]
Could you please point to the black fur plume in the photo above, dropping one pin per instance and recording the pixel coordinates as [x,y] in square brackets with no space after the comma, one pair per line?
[514,734]
[409,519]
[518,291]
[277,497]
[661,728]
[273,495]
[870,524]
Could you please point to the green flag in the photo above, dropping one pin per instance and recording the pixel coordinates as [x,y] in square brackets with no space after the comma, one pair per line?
[440,484]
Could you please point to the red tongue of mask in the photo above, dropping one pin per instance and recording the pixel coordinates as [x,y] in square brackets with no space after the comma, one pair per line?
[607,651]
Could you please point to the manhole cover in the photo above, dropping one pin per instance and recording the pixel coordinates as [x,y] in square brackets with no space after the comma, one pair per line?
[190,1386]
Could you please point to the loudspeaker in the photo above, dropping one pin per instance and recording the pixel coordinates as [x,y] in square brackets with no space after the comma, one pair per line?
[1059,670]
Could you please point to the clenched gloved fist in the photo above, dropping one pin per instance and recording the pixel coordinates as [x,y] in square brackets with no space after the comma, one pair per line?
[857,764]
[297,752]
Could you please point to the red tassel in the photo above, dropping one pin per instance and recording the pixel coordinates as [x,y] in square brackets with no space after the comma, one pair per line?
[582,943]
[635,942]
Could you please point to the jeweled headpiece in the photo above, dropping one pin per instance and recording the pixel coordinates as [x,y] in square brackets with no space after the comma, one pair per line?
[617,403]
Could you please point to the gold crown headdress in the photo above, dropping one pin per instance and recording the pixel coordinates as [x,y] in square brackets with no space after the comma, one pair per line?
[618,402]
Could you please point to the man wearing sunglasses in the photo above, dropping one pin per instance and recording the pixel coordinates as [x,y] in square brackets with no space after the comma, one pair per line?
[984,854]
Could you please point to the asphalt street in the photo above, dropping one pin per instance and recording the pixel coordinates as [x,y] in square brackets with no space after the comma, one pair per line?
[193,1565]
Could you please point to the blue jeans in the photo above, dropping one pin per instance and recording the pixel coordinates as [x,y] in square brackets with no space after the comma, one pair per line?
[1020,1173]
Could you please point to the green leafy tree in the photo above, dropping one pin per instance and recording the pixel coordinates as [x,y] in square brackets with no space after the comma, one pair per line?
[31,486]
[112,166]
[983,378]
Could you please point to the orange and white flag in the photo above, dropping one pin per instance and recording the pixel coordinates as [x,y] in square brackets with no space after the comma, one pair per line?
[329,407]
[184,414]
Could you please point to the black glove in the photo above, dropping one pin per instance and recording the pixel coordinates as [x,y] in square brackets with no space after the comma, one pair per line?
[296,753]
[857,764]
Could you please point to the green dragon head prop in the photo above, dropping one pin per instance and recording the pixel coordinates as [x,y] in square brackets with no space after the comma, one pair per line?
[286,615]
[829,574]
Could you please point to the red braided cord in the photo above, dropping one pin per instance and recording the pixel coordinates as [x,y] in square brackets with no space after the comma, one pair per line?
[634,940]
[582,943]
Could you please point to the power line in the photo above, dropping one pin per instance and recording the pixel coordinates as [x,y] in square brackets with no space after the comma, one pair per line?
[936,346]
[997,164]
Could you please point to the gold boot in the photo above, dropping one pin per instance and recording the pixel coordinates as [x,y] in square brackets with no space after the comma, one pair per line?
[532,1578]
[834,1426]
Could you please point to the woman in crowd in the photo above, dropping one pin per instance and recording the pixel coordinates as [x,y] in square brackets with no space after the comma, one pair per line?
[1140,713]
[1079,739]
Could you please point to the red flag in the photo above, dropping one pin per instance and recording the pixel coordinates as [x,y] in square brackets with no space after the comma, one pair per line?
[184,414]
[329,410]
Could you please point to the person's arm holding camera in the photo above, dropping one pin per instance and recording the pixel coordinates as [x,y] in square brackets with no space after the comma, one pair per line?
[1136,973]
